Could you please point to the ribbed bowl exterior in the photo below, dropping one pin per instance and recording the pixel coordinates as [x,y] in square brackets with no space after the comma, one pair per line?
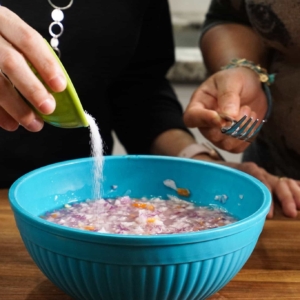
[94,266]
[85,280]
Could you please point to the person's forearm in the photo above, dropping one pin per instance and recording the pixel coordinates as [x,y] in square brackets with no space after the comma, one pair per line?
[224,42]
[177,142]
[171,142]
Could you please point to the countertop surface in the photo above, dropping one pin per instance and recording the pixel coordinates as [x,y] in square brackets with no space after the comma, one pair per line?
[272,272]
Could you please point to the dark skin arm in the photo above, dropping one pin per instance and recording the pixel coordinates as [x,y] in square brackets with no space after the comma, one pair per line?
[236,41]
[236,92]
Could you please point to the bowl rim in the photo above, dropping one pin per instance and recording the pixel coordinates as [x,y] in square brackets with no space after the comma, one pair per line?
[178,238]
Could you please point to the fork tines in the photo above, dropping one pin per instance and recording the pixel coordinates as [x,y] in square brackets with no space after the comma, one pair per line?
[244,129]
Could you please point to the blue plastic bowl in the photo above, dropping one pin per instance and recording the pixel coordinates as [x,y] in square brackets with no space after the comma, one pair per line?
[89,265]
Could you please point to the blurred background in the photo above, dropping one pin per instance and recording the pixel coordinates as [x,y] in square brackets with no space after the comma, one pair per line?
[188,71]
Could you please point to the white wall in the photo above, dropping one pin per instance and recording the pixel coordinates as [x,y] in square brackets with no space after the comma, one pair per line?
[194,10]
[189,5]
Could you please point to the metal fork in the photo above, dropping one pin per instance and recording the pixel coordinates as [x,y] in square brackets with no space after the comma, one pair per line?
[246,128]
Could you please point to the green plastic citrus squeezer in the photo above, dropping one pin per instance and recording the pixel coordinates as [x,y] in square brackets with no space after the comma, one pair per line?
[69,112]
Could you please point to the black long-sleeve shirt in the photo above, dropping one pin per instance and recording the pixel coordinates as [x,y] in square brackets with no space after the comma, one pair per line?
[117,54]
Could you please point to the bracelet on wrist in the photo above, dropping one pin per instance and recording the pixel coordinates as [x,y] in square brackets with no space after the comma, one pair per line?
[262,73]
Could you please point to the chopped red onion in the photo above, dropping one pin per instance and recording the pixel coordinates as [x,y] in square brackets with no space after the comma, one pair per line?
[124,215]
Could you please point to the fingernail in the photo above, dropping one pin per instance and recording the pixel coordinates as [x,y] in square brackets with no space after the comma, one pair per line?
[35,125]
[291,210]
[58,83]
[48,106]
[217,120]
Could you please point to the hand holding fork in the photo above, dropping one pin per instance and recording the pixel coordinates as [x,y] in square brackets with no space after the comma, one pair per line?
[233,95]
[246,128]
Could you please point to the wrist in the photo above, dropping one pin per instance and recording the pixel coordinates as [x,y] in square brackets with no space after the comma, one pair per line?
[205,157]
[200,151]
[263,75]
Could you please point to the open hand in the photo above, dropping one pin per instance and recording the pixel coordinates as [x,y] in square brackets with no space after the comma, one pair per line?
[285,190]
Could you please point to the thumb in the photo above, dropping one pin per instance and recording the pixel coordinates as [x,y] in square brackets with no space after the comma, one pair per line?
[229,104]
[229,91]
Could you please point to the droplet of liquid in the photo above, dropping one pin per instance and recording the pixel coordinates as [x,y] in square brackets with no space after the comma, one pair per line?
[171,184]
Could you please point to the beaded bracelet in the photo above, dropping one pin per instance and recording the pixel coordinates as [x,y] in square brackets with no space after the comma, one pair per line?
[262,73]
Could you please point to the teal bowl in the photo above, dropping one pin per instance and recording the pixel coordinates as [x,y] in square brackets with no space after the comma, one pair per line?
[88,265]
